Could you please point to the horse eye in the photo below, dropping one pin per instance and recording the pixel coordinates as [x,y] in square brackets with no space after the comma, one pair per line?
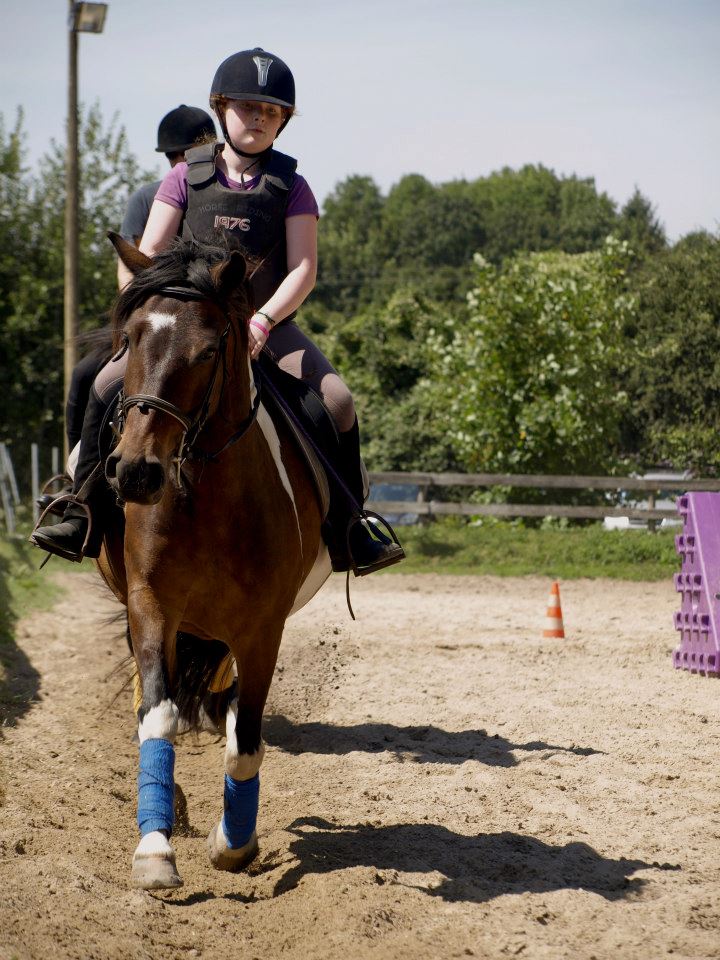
[207,354]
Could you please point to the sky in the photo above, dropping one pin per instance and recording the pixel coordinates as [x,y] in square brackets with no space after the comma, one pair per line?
[625,91]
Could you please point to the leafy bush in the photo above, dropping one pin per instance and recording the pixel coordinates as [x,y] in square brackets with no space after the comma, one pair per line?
[673,349]
[529,382]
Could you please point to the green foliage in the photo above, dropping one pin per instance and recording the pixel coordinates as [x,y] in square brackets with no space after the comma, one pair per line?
[640,226]
[383,354]
[504,548]
[529,382]
[348,243]
[32,267]
[423,236]
[673,376]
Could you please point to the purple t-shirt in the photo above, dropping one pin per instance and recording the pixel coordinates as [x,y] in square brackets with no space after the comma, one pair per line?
[173,190]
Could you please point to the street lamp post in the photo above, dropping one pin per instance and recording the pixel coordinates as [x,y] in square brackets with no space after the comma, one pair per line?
[83,18]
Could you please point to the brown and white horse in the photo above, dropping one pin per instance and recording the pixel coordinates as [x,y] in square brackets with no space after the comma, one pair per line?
[222,532]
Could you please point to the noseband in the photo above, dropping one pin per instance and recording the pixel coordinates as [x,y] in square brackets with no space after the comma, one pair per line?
[193,425]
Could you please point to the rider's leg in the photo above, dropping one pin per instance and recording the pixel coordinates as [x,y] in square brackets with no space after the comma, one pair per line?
[81,383]
[298,355]
[66,539]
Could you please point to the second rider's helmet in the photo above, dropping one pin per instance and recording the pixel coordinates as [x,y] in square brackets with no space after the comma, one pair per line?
[183,128]
[255,75]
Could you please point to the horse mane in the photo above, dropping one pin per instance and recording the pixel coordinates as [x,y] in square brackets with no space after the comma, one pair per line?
[182,263]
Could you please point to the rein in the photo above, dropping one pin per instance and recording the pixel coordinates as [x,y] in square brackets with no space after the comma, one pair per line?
[194,425]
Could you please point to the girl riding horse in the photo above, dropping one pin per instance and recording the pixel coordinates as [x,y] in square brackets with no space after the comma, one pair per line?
[246,190]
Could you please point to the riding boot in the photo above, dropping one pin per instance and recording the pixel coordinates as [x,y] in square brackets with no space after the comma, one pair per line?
[370,549]
[67,539]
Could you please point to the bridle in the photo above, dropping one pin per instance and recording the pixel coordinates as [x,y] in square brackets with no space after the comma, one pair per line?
[192,425]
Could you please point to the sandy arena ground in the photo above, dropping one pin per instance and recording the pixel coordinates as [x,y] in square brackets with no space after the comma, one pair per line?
[440,782]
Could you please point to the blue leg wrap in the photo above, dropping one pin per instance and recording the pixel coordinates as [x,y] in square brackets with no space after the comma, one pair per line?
[156,786]
[241,806]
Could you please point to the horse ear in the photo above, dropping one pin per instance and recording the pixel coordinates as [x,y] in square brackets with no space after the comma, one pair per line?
[229,274]
[129,253]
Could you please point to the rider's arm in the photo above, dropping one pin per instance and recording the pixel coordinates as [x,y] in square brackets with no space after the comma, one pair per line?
[301,242]
[161,227]
[163,224]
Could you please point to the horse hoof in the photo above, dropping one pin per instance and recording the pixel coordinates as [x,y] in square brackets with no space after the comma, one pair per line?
[153,866]
[155,872]
[222,857]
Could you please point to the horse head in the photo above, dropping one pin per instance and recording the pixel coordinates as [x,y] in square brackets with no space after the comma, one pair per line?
[182,321]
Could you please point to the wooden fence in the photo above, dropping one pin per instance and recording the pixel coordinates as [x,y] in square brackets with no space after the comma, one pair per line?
[432,508]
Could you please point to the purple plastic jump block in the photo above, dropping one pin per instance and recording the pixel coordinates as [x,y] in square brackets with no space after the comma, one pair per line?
[698,583]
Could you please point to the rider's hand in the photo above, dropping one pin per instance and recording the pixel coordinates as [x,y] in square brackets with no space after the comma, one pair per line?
[258,332]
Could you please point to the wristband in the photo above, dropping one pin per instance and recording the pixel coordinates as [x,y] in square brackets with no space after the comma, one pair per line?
[260,326]
[267,317]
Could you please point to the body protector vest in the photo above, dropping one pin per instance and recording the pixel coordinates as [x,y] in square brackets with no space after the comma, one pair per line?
[255,219]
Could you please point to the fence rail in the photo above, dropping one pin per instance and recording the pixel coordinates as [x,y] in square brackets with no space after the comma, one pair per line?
[429,508]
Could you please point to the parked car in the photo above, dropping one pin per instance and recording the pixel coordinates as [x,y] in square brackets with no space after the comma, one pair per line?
[405,492]
[664,500]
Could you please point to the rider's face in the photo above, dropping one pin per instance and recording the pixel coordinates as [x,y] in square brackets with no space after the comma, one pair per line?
[252,125]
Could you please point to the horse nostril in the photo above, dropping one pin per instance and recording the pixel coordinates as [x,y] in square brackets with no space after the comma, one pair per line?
[111,466]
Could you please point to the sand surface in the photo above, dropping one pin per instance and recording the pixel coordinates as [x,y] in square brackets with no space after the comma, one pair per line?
[440,782]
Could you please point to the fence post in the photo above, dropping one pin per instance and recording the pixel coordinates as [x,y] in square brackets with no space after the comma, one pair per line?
[55,462]
[421,498]
[35,479]
[10,472]
[5,492]
[652,524]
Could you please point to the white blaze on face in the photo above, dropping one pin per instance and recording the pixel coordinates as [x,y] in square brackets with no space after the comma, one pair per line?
[161,321]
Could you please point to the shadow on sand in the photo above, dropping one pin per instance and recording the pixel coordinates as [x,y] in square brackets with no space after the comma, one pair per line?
[421,744]
[473,868]
[19,680]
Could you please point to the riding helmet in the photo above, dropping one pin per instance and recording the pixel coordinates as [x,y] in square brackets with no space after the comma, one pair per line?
[183,128]
[254,75]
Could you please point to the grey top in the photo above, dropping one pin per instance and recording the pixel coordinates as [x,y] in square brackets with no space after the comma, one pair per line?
[138,211]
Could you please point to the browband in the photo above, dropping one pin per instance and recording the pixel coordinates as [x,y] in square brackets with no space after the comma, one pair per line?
[184,293]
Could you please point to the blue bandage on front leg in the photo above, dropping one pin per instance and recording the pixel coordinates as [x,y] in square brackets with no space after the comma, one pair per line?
[241,806]
[156,786]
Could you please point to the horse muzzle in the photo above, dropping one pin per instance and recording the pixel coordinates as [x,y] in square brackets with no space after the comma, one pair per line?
[141,480]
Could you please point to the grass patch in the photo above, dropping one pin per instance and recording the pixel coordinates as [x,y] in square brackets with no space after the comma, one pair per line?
[23,588]
[509,549]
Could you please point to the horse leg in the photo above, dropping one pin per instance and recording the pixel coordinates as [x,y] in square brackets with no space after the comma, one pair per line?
[153,865]
[232,843]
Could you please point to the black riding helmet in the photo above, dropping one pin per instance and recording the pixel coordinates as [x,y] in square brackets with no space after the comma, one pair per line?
[182,128]
[253,75]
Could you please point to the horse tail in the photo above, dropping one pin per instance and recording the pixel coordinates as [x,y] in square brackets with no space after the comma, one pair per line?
[204,681]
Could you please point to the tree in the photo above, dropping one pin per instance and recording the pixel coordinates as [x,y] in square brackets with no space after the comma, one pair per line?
[640,226]
[383,354]
[348,249]
[529,383]
[32,266]
[673,347]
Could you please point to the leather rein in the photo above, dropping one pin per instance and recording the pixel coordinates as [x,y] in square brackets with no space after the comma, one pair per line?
[193,425]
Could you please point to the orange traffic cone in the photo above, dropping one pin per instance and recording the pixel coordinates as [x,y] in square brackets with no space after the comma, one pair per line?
[553,617]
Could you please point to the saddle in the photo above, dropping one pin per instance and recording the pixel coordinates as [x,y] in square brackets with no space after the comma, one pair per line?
[299,406]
